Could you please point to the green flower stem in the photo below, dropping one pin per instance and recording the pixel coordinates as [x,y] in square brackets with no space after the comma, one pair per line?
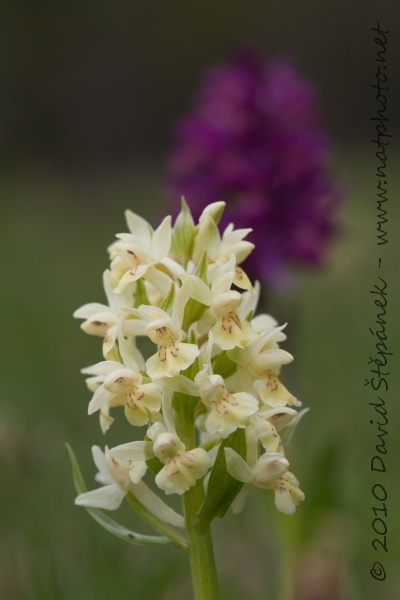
[201,552]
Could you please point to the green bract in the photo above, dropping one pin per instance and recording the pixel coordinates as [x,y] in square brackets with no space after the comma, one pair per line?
[183,235]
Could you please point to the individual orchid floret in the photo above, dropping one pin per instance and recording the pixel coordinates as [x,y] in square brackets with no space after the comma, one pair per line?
[230,328]
[115,320]
[261,361]
[98,318]
[125,387]
[219,248]
[226,412]
[172,355]
[269,472]
[116,475]
[260,430]
[269,467]
[119,476]
[102,320]
[106,420]
[139,251]
[182,468]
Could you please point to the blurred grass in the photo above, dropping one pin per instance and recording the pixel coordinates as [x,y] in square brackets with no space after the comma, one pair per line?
[54,234]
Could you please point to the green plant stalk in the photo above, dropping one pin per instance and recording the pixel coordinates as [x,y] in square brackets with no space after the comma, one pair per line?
[201,552]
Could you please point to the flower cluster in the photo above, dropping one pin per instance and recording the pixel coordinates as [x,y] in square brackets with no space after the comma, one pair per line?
[207,393]
[254,138]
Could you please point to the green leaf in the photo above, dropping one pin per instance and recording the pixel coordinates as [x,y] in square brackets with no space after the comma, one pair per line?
[154,463]
[250,316]
[168,302]
[159,525]
[201,268]
[183,404]
[194,368]
[140,294]
[222,487]
[223,365]
[194,309]
[107,522]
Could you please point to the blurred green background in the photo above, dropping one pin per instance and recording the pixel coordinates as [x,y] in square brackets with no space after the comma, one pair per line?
[88,94]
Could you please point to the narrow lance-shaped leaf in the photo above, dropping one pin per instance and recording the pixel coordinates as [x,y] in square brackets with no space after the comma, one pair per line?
[107,522]
[140,506]
[222,487]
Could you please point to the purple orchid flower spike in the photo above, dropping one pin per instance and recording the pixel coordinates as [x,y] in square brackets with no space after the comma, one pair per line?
[254,139]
